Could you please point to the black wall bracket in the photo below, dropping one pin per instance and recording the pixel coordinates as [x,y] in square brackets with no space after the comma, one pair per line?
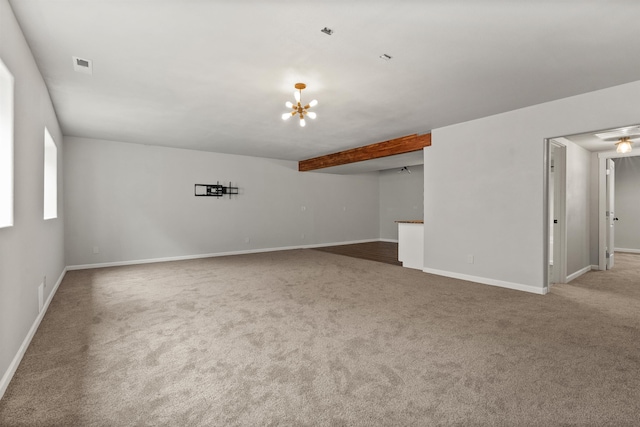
[214,190]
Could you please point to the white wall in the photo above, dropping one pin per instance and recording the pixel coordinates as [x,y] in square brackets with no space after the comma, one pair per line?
[33,247]
[483,186]
[628,203]
[578,196]
[400,199]
[136,202]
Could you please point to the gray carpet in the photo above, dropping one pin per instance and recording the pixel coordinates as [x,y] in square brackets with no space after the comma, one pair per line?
[306,338]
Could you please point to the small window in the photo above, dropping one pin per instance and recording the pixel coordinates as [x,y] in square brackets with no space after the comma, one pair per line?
[50,177]
[6,146]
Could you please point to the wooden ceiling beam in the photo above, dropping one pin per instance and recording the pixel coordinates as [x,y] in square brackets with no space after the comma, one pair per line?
[405,144]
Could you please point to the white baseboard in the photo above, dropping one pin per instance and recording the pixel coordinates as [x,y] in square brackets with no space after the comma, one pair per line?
[486,281]
[579,273]
[212,255]
[388,240]
[8,375]
[631,251]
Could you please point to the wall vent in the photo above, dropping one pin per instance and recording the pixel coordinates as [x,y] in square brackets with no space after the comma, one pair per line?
[82,65]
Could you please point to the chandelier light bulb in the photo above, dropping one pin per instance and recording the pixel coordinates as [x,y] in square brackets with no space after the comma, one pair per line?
[313,103]
[296,95]
[311,115]
[288,104]
[302,123]
[286,116]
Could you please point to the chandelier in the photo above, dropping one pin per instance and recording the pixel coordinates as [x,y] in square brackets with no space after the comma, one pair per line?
[298,109]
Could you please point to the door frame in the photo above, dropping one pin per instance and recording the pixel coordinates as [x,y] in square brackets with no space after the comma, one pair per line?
[602,202]
[560,203]
[610,191]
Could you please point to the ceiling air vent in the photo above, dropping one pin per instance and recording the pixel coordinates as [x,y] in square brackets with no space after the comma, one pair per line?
[82,65]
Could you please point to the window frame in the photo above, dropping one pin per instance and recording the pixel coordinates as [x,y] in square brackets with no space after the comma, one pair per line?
[7,108]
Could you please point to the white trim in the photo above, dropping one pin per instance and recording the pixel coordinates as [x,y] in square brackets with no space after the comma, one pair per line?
[212,255]
[8,375]
[630,251]
[579,273]
[388,240]
[486,281]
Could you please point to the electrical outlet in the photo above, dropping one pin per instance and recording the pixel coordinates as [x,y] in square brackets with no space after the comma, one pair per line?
[302,236]
[96,250]
[469,259]
[247,240]
[303,208]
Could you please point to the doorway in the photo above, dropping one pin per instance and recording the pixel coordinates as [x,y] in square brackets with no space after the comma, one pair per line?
[600,235]
[607,216]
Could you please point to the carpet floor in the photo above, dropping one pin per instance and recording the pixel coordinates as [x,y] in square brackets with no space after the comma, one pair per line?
[307,338]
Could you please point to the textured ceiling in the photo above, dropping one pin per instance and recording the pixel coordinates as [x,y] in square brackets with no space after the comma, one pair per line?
[214,75]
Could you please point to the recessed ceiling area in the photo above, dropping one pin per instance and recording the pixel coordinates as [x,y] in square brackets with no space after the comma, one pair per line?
[604,140]
[214,75]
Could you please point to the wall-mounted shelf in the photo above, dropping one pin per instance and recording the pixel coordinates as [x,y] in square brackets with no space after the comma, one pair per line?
[214,190]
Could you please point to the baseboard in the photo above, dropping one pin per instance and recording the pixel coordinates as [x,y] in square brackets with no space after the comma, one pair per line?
[212,255]
[579,273]
[631,251]
[8,375]
[486,281]
[388,240]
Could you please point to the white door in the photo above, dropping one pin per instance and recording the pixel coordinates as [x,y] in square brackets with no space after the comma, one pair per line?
[611,186]
[552,215]
[557,212]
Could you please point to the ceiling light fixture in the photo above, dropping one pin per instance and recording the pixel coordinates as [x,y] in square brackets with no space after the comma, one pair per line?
[298,109]
[623,145]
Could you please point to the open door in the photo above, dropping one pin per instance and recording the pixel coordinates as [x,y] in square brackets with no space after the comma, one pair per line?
[556,203]
[610,214]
